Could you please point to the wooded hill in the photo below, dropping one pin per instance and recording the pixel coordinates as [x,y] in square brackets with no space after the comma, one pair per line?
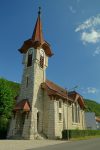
[92,106]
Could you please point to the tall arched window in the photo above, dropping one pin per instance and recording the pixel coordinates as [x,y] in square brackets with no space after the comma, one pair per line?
[75,113]
[41,58]
[78,113]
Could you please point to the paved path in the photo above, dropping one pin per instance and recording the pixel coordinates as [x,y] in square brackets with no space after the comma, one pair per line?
[26,144]
[93,144]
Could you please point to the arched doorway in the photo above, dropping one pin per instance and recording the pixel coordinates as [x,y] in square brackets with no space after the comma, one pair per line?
[20,120]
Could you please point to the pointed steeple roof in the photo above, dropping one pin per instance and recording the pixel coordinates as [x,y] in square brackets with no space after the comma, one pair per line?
[37,39]
[37,33]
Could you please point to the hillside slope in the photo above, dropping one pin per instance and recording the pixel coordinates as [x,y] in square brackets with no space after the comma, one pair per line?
[15,87]
[92,106]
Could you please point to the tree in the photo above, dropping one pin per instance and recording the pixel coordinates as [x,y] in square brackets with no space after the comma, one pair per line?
[6,99]
[6,106]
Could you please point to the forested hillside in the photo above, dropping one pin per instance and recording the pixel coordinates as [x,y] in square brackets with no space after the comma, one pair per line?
[92,106]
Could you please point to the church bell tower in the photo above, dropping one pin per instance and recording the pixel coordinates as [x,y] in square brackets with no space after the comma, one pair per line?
[27,121]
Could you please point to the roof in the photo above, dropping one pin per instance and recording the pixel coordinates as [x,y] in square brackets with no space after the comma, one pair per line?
[22,105]
[97,119]
[54,90]
[76,97]
[59,92]
[37,40]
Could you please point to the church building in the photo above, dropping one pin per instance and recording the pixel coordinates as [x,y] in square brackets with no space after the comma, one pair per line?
[43,109]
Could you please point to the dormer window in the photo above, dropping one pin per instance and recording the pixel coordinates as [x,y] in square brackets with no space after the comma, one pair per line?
[41,58]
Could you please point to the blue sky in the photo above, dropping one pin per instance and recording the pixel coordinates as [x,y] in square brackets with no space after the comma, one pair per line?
[72,27]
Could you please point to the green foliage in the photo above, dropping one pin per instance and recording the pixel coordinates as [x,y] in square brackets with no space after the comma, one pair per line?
[92,106]
[67,134]
[8,91]
[6,99]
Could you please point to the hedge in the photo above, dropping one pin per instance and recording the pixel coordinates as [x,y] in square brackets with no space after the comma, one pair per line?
[67,134]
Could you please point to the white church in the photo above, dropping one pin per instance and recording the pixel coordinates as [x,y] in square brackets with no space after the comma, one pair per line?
[43,109]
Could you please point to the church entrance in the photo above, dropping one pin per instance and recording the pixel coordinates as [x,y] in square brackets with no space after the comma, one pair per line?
[20,119]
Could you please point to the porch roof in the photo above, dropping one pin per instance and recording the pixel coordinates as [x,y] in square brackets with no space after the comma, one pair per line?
[22,105]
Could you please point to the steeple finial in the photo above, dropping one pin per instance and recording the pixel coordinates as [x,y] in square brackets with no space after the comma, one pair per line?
[39,12]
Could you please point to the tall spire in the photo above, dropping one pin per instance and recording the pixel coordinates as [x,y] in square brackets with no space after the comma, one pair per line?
[37,33]
[37,39]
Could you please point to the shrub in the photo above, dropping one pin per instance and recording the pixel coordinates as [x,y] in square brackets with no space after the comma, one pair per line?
[67,134]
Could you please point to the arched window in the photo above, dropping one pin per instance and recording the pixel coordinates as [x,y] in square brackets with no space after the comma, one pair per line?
[60,104]
[41,58]
[75,113]
[29,61]
[78,113]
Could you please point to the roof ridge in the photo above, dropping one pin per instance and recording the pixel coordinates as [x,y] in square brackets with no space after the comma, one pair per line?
[57,85]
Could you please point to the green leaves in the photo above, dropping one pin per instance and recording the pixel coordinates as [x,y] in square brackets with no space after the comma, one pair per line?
[92,106]
[8,91]
[6,99]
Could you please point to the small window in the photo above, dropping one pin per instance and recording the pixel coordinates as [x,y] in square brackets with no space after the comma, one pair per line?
[60,116]
[29,62]
[41,61]
[60,104]
[27,80]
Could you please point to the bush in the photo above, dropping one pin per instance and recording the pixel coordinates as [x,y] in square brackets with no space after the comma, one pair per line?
[67,134]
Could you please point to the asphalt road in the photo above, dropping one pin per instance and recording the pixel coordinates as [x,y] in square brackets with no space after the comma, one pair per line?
[92,144]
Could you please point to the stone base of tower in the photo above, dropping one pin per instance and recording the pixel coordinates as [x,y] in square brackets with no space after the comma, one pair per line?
[21,127]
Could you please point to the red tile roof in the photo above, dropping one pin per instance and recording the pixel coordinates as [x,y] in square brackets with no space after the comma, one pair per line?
[97,119]
[22,105]
[76,97]
[57,91]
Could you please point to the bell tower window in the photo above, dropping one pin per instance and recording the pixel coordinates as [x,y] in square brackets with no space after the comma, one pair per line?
[29,61]
[41,58]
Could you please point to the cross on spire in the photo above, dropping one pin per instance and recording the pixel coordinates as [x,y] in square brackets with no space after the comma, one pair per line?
[39,12]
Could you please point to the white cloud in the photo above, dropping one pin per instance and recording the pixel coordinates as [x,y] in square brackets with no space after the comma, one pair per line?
[90,37]
[72,9]
[97,51]
[90,32]
[89,23]
[92,90]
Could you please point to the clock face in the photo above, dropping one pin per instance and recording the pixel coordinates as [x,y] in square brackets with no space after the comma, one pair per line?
[30,51]
[41,52]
